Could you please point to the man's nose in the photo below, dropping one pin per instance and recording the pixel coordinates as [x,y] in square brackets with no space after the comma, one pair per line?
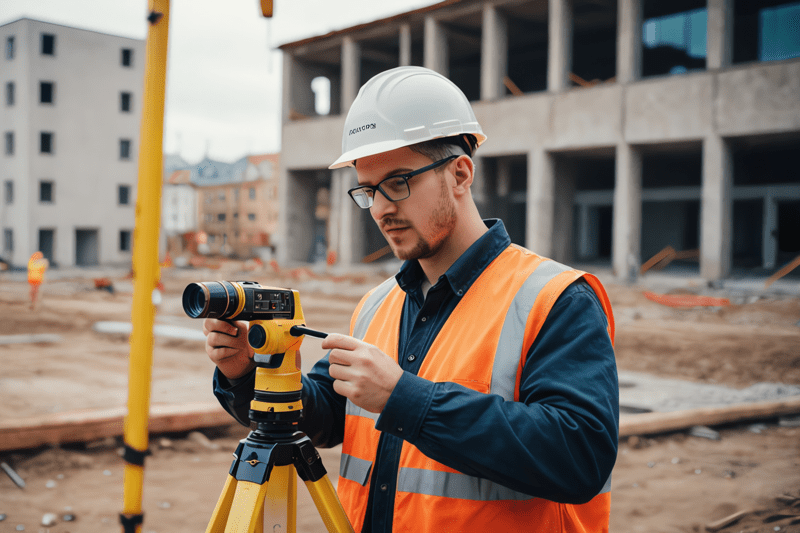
[381,206]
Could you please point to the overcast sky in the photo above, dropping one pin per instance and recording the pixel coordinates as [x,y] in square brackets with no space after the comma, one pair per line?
[223,80]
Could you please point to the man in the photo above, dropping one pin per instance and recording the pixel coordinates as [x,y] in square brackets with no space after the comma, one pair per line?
[478,390]
[37,266]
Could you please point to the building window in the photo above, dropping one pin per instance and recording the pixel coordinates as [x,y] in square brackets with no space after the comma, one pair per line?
[124,149]
[674,41]
[125,102]
[9,143]
[221,196]
[46,192]
[10,47]
[252,193]
[46,142]
[9,192]
[46,92]
[10,94]
[251,216]
[220,217]
[127,57]
[8,240]
[48,44]
[125,240]
[124,195]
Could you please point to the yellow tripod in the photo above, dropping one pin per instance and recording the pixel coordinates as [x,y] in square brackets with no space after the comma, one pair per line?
[262,473]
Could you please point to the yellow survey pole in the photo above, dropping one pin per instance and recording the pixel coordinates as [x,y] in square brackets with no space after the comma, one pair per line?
[145,263]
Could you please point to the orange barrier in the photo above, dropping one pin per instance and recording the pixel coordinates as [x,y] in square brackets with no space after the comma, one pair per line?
[686,300]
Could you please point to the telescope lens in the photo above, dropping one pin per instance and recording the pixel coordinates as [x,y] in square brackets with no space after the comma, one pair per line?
[211,299]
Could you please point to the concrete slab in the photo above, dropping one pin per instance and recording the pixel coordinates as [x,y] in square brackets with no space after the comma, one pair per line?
[159,330]
[640,392]
[30,338]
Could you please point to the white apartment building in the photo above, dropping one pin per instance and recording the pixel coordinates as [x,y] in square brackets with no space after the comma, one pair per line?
[69,120]
[615,127]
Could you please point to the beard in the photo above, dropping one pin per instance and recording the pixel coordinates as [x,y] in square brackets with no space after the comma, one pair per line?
[440,225]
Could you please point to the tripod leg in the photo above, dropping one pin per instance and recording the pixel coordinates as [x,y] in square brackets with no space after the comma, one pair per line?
[329,506]
[247,508]
[280,507]
[220,516]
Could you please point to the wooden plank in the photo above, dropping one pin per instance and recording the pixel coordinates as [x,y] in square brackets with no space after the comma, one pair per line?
[652,423]
[89,425]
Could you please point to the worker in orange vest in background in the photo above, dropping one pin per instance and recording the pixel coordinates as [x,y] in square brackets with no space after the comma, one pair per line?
[37,266]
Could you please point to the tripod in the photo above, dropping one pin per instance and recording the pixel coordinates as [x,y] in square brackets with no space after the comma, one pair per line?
[264,462]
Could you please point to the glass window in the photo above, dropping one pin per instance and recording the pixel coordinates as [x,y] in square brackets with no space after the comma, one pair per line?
[252,193]
[125,102]
[48,44]
[251,216]
[8,240]
[127,57]
[9,192]
[674,42]
[46,191]
[125,240]
[124,194]
[124,149]
[46,142]
[9,143]
[10,96]
[220,217]
[46,92]
[10,47]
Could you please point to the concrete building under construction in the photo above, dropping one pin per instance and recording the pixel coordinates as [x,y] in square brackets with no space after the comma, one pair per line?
[616,127]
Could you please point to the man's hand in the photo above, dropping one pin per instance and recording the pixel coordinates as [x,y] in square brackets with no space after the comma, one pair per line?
[363,373]
[227,347]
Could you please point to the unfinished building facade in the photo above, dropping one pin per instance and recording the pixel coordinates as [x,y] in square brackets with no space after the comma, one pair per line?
[615,127]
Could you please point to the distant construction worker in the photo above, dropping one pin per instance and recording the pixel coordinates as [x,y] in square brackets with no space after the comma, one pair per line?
[37,266]
[478,389]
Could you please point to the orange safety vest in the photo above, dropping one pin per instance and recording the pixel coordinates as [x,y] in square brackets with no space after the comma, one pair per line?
[37,265]
[491,330]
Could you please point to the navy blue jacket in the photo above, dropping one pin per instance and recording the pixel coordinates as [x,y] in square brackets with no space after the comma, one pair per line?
[559,442]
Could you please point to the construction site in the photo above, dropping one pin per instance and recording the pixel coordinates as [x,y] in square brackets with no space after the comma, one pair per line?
[709,396]
[652,144]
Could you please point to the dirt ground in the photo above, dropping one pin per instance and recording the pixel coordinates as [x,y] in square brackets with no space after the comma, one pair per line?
[664,483]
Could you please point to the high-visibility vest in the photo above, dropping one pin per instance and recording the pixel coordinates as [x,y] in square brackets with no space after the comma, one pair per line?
[492,330]
[37,266]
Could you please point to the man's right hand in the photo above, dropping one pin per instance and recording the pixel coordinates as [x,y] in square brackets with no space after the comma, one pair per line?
[227,347]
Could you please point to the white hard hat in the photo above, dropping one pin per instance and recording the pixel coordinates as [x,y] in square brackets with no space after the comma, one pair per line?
[401,107]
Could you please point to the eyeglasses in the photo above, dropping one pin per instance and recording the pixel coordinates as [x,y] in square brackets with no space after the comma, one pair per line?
[394,188]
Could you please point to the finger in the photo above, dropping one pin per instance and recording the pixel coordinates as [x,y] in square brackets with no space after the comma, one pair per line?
[340,357]
[221,326]
[336,340]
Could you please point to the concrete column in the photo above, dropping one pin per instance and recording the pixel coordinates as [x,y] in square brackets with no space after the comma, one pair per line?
[563,205]
[719,37]
[297,94]
[405,45]
[541,184]
[351,72]
[716,211]
[629,40]
[348,220]
[437,53]
[494,53]
[559,46]
[627,222]
[769,240]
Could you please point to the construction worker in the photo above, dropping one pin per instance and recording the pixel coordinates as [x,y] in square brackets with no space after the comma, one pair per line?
[478,388]
[37,266]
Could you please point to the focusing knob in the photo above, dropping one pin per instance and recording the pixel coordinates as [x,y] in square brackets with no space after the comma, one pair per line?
[257,336]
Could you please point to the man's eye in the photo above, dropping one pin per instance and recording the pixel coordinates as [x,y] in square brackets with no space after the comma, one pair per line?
[394,184]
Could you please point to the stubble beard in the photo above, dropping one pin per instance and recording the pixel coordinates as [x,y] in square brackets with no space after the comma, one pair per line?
[441,224]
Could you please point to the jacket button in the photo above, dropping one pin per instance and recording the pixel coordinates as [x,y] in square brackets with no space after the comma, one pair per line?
[411,358]
[384,487]
[424,319]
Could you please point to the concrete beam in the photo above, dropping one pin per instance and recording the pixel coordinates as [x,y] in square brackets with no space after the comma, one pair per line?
[351,72]
[405,45]
[627,224]
[716,210]
[494,53]
[437,53]
[719,39]
[541,202]
[629,41]
[559,49]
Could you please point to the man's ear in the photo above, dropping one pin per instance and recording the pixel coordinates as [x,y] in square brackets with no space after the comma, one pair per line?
[463,172]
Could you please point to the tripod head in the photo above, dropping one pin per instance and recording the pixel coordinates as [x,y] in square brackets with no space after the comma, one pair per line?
[277,328]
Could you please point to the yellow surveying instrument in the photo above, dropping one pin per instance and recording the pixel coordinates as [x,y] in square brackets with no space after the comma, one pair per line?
[263,464]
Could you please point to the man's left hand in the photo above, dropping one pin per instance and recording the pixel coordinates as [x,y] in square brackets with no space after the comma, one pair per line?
[362,372]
